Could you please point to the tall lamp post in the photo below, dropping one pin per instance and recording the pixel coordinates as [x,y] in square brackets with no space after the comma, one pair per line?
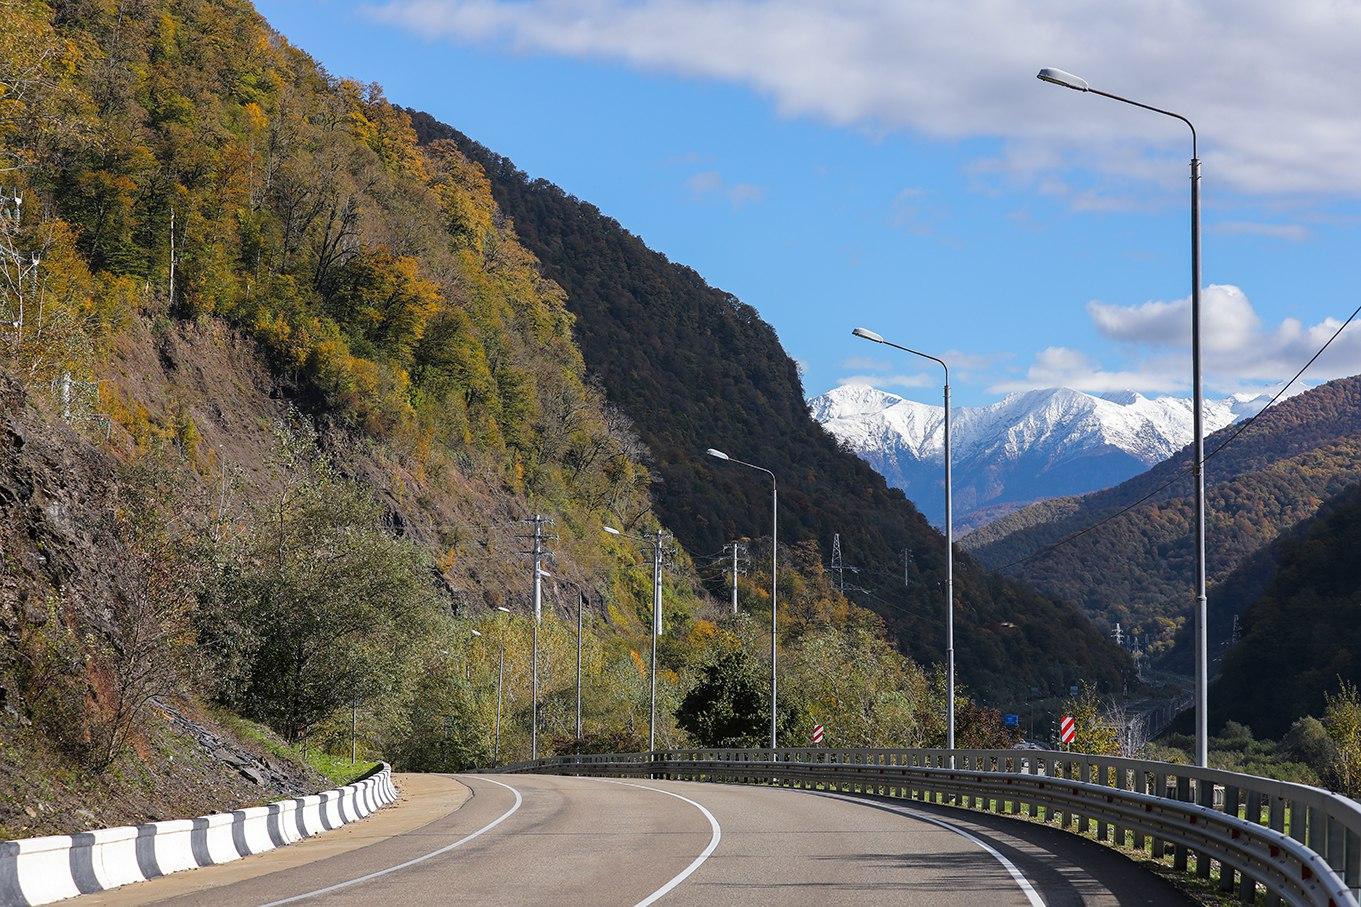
[866,334]
[1068,80]
[656,540]
[774,573]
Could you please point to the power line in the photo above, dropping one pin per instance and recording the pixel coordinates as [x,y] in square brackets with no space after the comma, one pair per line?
[1246,424]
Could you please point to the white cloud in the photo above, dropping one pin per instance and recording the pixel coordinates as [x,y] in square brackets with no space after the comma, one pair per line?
[1274,86]
[866,364]
[1241,352]
[707,181]
[711,182]
[1230,323]
[1292,232]
[908,213]
[1061,366]
[744,193]
[883,380]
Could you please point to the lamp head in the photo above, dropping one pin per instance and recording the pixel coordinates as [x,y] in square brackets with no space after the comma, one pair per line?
[503,609]
[867,334]
[612,531]
[1066,79]
[475,632]
[718,454]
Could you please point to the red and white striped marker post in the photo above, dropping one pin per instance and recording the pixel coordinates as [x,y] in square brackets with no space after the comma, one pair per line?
[1067,730]
[817,734]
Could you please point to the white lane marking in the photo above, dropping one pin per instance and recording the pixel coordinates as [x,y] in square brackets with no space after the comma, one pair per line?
[421,859]
[1027,889]
[697,862]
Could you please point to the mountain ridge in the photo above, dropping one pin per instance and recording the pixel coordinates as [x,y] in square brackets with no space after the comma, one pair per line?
[1028,446]
[694,367]
[1133,561]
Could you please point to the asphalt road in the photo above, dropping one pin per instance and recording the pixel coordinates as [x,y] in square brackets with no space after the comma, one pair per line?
[536,839]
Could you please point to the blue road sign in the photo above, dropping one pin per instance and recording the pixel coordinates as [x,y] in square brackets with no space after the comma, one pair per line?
[1011,720]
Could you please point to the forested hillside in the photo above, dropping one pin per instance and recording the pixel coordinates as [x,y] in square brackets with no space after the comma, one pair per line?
[1300,636]
[1137,568]
[694,367]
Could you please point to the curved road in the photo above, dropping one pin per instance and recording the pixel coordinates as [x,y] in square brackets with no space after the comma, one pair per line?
[538,839]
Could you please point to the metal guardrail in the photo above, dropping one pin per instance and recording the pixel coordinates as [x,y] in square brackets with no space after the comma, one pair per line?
[1300,843]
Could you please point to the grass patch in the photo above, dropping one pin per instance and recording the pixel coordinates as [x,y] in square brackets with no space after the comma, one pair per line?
[336,769]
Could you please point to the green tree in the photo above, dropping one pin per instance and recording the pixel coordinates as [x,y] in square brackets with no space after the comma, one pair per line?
[1096,734]
[328,607]
[730,704]
[1342,720]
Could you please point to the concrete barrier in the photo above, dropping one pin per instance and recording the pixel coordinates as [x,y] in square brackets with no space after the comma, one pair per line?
[57,867]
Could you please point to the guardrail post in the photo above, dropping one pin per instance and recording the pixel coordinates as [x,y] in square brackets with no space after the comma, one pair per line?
[1247,886]
[1060,769]
[1140,785]
[1352,875]
[1337,842]
[1205,795]
[1317,831]
[1159,790]
[1011,766]
[1299,821]
[1225,870]
[1276,816]
[1121,783]
[1032,765]
[1179,852]
[1082,772]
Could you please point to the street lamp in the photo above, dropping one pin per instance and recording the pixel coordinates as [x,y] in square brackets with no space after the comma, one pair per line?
[774,573]
[500,682]
[1068,80]
[866,334]
[655,540]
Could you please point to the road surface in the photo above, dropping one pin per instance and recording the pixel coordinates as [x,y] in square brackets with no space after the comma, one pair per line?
[538,839]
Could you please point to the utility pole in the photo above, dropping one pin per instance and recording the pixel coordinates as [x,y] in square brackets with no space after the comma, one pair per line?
[737,551]
[538,553]
[735,547]
[500,685]
[838,568]
[581,603]
[172,259]
[354,727]
[657,540]
[656,631]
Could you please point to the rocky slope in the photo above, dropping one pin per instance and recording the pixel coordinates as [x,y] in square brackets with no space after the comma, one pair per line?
[60,587]
[1028,446]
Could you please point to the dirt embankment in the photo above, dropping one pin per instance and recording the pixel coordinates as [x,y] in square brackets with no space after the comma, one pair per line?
[59,580]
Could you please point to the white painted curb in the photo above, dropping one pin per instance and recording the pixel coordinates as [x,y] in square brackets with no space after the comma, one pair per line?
[43,870]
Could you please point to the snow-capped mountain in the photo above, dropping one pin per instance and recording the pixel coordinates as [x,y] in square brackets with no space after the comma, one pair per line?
[1026,446]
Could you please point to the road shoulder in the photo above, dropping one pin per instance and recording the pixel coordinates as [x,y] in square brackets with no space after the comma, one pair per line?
[422,799]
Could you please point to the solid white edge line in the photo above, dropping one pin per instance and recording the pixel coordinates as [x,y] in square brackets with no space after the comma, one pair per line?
[698,861]
[1026,888]
[412,862]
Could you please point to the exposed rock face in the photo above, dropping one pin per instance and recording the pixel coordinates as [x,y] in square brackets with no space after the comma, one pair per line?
[60,579]
[54,529]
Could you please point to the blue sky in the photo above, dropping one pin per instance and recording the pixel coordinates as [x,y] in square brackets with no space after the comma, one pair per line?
[1022,228]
